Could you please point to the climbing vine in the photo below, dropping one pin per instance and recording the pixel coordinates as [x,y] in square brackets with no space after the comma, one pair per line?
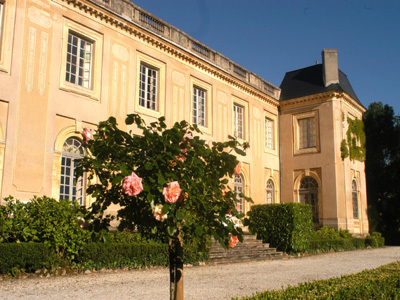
[354,146]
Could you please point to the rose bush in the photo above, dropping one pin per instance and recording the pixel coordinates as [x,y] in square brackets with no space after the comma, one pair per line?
[185,191]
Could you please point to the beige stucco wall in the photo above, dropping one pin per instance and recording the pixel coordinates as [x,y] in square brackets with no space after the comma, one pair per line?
[333,174]
[39,110]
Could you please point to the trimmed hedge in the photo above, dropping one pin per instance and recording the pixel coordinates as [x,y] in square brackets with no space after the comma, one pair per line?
[120,255]
[29,257]
[26,257]
[286,226]
[380,283]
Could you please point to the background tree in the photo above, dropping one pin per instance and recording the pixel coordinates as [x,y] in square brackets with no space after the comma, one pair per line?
[382,166]
[167,182]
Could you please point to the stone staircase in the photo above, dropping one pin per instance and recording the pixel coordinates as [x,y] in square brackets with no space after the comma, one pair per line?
[251,249]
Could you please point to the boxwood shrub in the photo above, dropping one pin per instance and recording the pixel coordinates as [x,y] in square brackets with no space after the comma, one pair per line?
[285,226]
[26,257]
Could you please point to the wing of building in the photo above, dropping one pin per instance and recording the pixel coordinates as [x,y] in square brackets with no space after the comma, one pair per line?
[68,64]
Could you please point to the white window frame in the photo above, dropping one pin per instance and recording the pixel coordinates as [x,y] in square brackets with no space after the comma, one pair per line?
[79,66]
[312,147]
[203,117]
[269,134]
[239,188]
[148,87]
[92,88]
[69,189]
[157,67]
[240,119]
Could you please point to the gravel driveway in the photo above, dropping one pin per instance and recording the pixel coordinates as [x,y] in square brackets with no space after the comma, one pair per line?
[203,282]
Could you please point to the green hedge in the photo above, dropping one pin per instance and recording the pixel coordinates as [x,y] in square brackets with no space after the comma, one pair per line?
[285,226]
[29,257]
[380,283]
[120,255]
[26,257]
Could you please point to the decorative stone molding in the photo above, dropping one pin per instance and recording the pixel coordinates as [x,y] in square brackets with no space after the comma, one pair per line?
[126,16]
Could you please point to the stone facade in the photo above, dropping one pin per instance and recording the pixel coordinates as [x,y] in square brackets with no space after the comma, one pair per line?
[131,61]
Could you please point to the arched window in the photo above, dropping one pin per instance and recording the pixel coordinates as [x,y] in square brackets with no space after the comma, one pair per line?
[70,187]
[239,188]
[309,195]
[270,191]
[355,199]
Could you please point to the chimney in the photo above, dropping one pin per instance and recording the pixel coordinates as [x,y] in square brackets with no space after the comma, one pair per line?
[330,66]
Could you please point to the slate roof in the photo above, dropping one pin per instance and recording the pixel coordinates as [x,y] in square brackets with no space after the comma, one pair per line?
[309,81]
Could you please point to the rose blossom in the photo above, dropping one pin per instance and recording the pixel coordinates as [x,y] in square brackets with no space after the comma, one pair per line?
[238,168]
[234,240]
[181,157]
[132,185]
[87,134]
[172,192]
[157,213]
[188,135]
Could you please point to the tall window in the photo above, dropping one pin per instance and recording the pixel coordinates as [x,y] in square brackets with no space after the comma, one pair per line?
[199,106]
[269,133]
[148,87]
[355,199]
[239,188]
[307,133]
[79,61]
[238,119]
[309,195]
[270,191]
[70,187]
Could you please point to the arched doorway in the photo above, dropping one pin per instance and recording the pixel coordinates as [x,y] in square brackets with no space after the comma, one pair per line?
[309,195]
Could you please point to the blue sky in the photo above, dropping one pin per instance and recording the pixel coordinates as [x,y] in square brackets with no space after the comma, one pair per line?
[271,38]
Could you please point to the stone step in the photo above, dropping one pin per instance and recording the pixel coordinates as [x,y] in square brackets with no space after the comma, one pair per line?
[250,249]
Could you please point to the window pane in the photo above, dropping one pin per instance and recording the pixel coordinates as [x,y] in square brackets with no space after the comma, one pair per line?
[148,87]
[79,61]
[307,133]
[238,115]
[199,106]
[269,134]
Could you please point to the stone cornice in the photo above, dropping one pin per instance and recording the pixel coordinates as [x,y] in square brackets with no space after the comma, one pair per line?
[130,26]
[320,98]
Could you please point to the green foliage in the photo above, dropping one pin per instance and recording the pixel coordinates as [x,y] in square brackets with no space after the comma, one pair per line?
[154,156]
[354,147]
[285,226]
[44,220]
[26,257]
[327,239]
[121,255]
[344,150]
[380,283]
[382,168]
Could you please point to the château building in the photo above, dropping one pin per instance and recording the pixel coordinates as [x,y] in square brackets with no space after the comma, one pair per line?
[69,64]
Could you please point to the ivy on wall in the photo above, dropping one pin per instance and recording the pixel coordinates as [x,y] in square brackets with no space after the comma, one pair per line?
[354,146]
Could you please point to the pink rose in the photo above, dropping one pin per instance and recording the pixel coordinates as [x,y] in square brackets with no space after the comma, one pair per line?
[157,213]
[87,134]
[234,240]
[188,135]
[238,168]
[132,185]
[172,192]
[181,157]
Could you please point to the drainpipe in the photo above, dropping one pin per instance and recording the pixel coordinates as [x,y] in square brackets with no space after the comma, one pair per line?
[280,154]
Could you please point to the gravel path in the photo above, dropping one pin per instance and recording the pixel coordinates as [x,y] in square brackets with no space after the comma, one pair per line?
[202,283]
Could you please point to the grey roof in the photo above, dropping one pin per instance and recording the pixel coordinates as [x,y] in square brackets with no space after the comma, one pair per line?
[309,81]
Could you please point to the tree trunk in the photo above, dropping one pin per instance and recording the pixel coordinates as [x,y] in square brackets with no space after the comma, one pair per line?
[176,269]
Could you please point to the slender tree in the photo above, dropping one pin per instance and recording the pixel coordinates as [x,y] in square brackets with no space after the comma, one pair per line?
[167,182]
[382,166]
